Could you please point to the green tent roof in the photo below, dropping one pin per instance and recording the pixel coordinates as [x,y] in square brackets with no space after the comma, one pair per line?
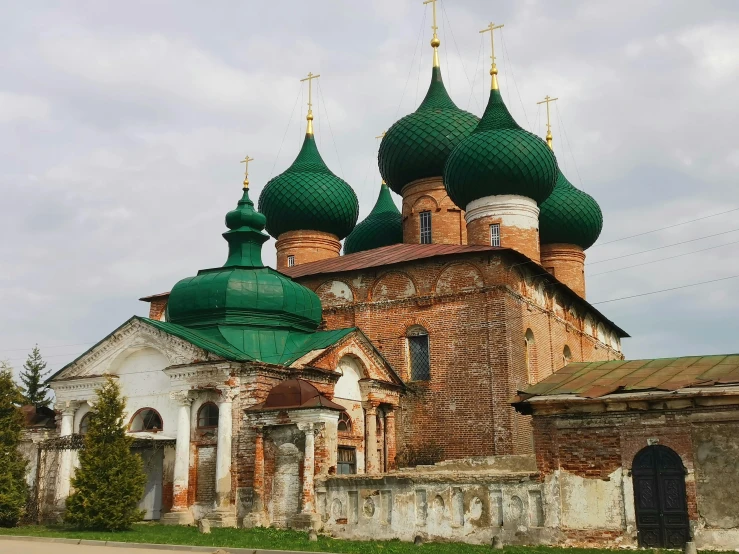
[307,196]
[570,216]
[417,146]
[500,157]
[382,227]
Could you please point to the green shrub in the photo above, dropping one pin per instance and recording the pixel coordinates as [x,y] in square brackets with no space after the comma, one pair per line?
[109,482]
[13,487]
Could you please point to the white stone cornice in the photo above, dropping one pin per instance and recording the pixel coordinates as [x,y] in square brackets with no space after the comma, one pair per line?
[517,211]
[181,397]
[77,390]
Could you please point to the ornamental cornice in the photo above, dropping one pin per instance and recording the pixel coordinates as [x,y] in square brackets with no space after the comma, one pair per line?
[77,390]
[134,335]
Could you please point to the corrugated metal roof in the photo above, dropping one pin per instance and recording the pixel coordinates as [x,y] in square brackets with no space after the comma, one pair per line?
[596,379]
[393,254]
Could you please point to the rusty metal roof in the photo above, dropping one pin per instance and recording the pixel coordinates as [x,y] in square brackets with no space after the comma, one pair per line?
[393,254]
[153,297]
[295,394]
[596,379]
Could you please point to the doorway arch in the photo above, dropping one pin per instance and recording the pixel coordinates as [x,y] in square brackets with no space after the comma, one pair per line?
[659,498]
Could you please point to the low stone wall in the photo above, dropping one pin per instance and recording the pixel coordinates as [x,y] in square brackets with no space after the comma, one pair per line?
[467,500]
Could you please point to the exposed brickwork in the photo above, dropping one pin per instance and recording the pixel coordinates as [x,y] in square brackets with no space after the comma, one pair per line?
[306,246]
[205,489]
[522,240]
[447,220]
[476,309]
[567,263]
[157,307]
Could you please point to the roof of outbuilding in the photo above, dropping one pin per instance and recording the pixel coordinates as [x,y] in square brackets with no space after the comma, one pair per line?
[596,379]
[295,394]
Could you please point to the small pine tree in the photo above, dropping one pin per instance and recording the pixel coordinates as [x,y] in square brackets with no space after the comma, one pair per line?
[109,482]
[13,487]
[35,391]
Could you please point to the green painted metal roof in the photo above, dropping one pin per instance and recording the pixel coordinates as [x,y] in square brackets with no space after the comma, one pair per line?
[382,227]
[418,145]
[569,216]
[244,291]
[500,157]
[596,379]
[307,196]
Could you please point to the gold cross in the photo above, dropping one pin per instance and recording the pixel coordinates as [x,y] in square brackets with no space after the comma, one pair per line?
[547,100]
[435,42]
[246,161]
[309,117]
[493,68]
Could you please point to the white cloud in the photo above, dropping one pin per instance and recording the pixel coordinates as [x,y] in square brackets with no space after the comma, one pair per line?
[22,106]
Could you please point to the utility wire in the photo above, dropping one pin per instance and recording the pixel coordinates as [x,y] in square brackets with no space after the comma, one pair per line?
[297,97]
[662,247]
[664,228]
[413,59]
[477,71]
[509,67]
[567,138]
[665,290]
[333,137]
[459,53]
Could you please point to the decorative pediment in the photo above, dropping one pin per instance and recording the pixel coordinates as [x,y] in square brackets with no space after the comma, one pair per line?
[354,344]
[133,335]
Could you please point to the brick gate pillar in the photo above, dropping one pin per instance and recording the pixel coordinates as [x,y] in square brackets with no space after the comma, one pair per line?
[390,436]
[370,448]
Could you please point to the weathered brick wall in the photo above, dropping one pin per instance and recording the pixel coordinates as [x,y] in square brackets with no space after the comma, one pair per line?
[524,240]
[567,263]
[205,488]
[306,246]
[476,310]
[157,307]
[447,220]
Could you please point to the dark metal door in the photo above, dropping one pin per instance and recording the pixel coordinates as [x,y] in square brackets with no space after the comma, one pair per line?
[659,497]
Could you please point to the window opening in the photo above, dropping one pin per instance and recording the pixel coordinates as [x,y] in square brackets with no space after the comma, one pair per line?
[85,424]
[566,355]
[425,218]
[495,234]
[146,419]
[208,415]
[345,423]
[290,261]
[419,354]
[346,461]
[529,345]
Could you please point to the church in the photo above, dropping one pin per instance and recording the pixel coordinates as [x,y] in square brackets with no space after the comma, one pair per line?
[369,392]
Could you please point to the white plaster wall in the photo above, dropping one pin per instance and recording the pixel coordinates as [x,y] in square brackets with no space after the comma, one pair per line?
[348,394]
[592,503]
[145,385]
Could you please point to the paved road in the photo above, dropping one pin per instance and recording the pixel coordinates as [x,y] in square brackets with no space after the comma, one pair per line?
[30,547]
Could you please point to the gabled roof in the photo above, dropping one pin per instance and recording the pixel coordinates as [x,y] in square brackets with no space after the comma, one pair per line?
[596,379]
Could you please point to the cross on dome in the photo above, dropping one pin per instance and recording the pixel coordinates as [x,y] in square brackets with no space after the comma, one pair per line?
[309,117]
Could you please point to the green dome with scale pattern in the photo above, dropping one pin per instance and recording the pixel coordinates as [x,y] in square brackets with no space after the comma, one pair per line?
[500,157]
[307,196]
[382,227]
[417,146]
[569,216]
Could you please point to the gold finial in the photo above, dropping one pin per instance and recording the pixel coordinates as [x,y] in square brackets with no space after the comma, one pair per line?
[493,68]
[435,42]
[309,117]
[546,101]
[379,137]
[246,161]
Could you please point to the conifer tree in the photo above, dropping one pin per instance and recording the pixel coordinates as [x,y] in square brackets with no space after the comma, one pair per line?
[13,488]
[35,391]
[109,482]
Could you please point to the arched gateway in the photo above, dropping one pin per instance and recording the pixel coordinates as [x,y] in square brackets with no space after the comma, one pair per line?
[659,498]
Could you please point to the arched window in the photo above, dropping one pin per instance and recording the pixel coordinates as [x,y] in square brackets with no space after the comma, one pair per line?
[345,423]
[85,424]
[208,415]
[530,356]
[566,356]
[146,419]
[419,353]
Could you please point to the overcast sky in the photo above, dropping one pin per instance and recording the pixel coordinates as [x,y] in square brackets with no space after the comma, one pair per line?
[122,125]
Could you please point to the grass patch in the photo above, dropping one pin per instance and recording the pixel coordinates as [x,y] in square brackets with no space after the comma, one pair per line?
[277,539]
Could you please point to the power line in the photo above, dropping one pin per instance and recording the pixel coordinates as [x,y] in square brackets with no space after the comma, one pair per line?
[664,228]
[333,138]
[665,246]
[289,121]
[664,259]
[665,290]
[459,53]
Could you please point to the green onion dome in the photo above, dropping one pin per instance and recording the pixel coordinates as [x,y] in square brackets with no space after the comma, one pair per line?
[569,216]
[417,146]
[382,227]
[500,157]
[243,292]
[309,197]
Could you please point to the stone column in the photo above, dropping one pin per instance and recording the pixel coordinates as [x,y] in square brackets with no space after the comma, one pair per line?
[68,410]
[180,514]
[309,468]
[390,436]
[225,513]
[371,464]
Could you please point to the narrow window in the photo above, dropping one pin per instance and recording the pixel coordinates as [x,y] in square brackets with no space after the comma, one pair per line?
[85,424]
[419,355]
[566,356]
[290,261]
[146,419]
[346,461]
[425,227]
[345,424]
[495,234]
[208,415]
[530,356]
